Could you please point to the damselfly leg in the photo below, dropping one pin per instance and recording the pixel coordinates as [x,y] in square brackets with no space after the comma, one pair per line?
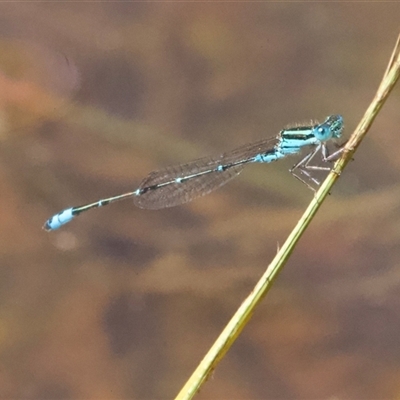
[305,167]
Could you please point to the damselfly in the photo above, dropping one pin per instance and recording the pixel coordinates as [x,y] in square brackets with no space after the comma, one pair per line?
[180,184]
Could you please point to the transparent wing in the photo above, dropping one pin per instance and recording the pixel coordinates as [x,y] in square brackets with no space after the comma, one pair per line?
[180,184]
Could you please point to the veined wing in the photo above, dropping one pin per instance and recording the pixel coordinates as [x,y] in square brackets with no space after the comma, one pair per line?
[179,184]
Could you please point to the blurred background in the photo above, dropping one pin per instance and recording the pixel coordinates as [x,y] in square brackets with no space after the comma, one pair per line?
[123,303]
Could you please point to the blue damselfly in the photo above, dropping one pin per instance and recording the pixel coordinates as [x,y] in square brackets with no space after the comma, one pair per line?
[182,183]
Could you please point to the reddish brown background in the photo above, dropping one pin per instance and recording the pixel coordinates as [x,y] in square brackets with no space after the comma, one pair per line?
[123,303]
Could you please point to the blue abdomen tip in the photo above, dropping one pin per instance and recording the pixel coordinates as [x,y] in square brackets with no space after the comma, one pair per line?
[58,220]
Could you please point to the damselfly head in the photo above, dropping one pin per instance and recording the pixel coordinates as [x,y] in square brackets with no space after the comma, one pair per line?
[331,128]
[335,122]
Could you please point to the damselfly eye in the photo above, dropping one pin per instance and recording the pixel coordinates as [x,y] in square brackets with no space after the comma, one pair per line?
[323,132]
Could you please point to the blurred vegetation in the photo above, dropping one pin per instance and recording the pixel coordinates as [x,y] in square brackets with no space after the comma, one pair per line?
[124,302]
